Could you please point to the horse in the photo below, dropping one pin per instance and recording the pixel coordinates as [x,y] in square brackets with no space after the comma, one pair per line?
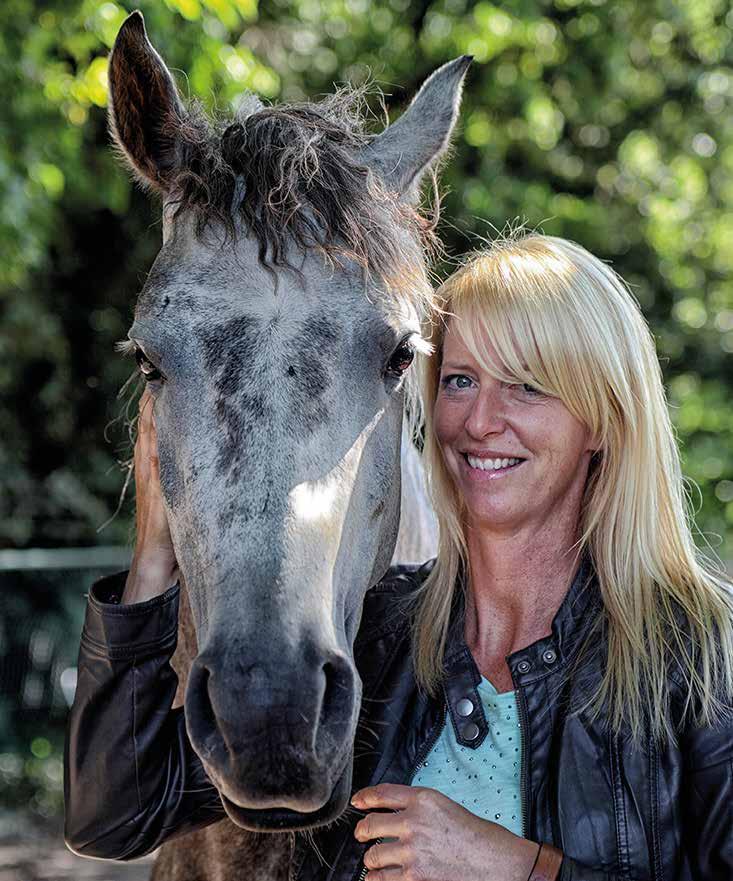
[226,851]
[276,332]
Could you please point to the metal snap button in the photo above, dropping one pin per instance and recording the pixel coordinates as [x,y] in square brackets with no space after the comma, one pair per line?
[549,657]
[464,707]
[470,731]
[524,666]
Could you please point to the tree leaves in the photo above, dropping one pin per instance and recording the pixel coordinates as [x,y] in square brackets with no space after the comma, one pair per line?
[607,123]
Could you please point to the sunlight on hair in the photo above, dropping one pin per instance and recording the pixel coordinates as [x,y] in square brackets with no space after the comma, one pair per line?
[314,500]
[317,500]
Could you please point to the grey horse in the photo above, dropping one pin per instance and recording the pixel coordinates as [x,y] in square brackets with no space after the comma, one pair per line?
[276,331]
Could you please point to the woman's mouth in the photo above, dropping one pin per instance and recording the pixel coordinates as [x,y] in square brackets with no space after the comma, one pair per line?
[491,467]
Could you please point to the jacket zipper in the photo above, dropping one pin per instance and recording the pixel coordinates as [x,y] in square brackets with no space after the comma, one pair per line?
[432,740]
[524,770]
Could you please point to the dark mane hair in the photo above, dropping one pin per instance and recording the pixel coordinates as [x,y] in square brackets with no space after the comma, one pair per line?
[292,173]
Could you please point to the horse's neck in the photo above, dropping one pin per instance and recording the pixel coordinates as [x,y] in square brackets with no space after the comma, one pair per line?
[225,852]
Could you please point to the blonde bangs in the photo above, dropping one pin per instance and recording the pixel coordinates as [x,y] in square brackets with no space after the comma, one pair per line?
[552,342]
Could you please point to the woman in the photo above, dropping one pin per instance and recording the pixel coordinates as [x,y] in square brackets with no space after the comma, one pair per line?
[566,676]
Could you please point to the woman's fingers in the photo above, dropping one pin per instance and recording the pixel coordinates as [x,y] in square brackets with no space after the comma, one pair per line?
[385,795]
[145,428]
[376,825]
[147,471]
[392,854]
[385,875]
[154,567]
[145,413]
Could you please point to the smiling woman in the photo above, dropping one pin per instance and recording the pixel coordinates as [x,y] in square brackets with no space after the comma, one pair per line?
[575,649]
[546,358]
[548,699]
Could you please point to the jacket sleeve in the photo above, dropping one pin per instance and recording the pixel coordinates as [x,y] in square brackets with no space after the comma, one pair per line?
[707,799]
[706,803]
[131,778]
[572,870]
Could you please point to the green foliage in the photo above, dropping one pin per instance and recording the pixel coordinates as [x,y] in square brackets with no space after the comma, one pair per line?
[605,122]
[32,782]
[41,613]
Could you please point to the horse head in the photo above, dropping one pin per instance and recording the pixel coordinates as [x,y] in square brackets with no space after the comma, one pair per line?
[276,331]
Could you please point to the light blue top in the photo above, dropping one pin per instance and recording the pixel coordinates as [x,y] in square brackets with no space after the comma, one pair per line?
[485,780]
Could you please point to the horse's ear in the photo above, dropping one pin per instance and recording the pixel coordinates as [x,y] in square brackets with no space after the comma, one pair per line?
[145,110]
[405,150]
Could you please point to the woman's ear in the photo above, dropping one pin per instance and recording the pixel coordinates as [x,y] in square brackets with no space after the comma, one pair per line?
[596,455]
[594,446]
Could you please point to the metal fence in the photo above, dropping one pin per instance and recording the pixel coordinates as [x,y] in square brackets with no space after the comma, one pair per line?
[42,601]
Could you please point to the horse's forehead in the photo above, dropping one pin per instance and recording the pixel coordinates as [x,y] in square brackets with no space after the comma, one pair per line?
[256,335]
[229,290]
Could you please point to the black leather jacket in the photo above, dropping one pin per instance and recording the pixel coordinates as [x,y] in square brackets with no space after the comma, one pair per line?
[617,812]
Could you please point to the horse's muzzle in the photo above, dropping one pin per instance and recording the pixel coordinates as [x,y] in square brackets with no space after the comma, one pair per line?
[273,736]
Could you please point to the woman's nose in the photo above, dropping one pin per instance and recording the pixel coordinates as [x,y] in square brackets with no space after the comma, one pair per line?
[486,416]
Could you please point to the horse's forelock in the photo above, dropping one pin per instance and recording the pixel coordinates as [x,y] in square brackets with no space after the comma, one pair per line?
[292,174]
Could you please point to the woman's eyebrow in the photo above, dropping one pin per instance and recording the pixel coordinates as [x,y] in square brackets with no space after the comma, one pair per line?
[451,365]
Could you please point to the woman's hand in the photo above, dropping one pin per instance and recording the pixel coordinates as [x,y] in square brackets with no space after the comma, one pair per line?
[438,839]
[154,568]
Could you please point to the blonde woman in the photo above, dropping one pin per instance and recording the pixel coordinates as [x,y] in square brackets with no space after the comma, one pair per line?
[549,698]
[567,569]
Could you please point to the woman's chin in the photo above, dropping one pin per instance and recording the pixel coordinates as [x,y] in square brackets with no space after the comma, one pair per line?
[492,515]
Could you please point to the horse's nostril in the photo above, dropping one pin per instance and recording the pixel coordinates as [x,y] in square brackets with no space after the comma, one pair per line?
[199,709]
[206,709]
[337,696]
[298,722]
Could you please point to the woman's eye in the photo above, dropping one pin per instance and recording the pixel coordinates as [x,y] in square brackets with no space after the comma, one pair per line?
[400,359]
[530,389]
[147,368]
[457,381]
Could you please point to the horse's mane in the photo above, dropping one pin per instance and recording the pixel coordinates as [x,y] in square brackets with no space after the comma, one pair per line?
[293,174]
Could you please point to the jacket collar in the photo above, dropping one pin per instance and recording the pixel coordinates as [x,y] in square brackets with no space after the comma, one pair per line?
[578,611]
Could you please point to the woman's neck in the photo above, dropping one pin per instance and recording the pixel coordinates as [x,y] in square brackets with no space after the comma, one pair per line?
[517,582]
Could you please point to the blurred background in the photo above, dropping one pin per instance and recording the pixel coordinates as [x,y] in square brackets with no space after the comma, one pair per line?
[608,123]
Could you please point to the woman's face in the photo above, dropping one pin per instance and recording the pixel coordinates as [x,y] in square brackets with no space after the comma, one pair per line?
[517,457]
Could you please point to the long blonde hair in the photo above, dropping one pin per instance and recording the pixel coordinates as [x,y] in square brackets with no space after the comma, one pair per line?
[564,321]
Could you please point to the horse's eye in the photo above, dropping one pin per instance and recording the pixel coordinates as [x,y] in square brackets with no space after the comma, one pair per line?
[400,360]
[147,368]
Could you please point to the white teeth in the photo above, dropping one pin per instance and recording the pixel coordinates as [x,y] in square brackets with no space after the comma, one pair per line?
[491,464]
